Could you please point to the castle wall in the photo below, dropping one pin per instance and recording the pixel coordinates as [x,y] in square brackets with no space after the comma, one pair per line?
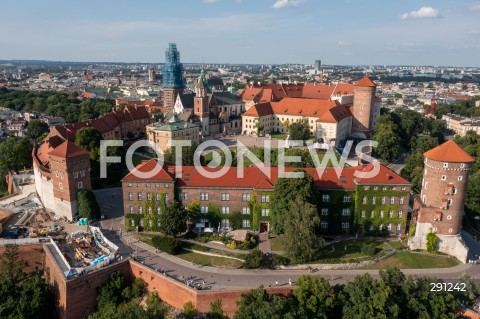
[65,209]
[44,188]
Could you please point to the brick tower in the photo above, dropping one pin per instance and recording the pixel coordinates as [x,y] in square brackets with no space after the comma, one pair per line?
[440,205]
[70,171]
[363,108]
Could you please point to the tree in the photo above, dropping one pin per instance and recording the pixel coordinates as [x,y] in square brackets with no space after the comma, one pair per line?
[315,298]
[216,311]
[388,142]
[111,292]
[425,143]
[173,219]
[189,310]
[187,155]
[285,191]
[299,130]
[15,155]
[11,264]
[87,204]
[89,139]
[300,229]
[258,304]
[432,242]
[254,259]
[36,128]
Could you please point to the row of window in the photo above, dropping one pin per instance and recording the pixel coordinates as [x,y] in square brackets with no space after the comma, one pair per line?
[140,210]
[401,200]
[79,185]
[381,214]
[226,197]
[345,225]
[149,196]
[225,223]
[75,174]
[156,185]
[394,188]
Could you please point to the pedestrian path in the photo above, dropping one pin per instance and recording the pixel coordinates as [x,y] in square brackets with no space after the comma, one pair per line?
[264,245]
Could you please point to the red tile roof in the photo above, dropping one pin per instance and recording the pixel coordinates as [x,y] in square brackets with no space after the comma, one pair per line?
[324,92]
[68,149]
[449,152]
[254,178]
[366,82]
[259,110]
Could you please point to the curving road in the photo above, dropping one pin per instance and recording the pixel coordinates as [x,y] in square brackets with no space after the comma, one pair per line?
[228,279]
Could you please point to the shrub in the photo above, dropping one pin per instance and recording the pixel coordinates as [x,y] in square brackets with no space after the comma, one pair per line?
[189,310]
[167,244]
[254,259]
[432,242]
[368,249]
[280,260]
[232,245]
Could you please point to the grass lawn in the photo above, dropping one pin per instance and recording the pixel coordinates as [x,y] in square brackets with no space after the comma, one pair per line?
[350,249]
[409,260]
[276,243]
[212,261]
[280,136]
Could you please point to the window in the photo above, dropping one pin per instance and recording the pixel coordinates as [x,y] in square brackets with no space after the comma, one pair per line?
[399,227]
[159,210]
[372,214]
[149,196]
[364,200]
[245,197]
[245,210]
[225,210]
[445,165]
[138,184]
[203,209]
[156,185]
[450,202]
[182,196]
[140,209]
[462,165]
[131,209]
[265,211]
[225,196]
[132,222]
[324,211]
[426,185]
[347,199]
[345,225]
[390,214]
[80,185]
[384,188]
[75,175]
[449,217]
[246,223]
[346,212]
[375,188]
[380,227]
[130,196]
[401,200]
[389,227]
[383,200]
[324,225]
[444,177]
[381,214]
[460,178]
[82,173]
[147,184]
[404,188]
[225,223]
[392,200]
[60,185]
[363,214]
[139,196]
[265,198]
[325,198]
[400,214]
[203,196]
[373,200]
[149,210]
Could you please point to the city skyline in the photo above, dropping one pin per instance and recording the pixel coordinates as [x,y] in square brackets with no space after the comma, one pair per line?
[348,32]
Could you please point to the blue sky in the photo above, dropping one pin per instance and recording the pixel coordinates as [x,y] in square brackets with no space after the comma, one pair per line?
[362,32]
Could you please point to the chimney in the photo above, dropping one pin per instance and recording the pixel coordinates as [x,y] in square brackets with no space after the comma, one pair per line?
[389,177]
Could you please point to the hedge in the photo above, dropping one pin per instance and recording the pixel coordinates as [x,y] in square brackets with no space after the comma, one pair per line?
[167,244]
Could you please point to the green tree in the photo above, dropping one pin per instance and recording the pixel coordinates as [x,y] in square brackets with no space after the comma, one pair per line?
[111,292]
[388,142]
[36,128]
[89,139]
[173,220]
[189,310]
[11,264]
[258,304]
[87,204]
[300,229]
[216,311]
[299,130]
[315,298]
[432,242]
[285,191]
[254,259]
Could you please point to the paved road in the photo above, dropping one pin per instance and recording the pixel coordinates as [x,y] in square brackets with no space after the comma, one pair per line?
[398,164]
[225,279]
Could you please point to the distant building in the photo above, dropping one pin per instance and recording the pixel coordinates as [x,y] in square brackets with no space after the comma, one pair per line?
[151,75]
[440,205]
[461,124]
[162,134]
[172,76]
[318,65]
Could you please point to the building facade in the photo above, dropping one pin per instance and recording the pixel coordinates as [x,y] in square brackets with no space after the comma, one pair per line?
[162,134]
[461,125]
[244,202]
[440,205]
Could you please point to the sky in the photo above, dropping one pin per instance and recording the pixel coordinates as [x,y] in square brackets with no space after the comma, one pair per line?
[339,32]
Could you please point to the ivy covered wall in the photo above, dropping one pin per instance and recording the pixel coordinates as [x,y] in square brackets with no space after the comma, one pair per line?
[334,215]
[148,219]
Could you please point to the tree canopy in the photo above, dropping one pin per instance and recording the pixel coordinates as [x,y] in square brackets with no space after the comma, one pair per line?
[87,204]
[299,130]
[173,220]
[36,128]
[89,139]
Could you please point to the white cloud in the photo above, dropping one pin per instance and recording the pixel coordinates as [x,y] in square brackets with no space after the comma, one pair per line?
[475,8]
[286,3]
[422,13]
[209,1]
[343,42]
[474,32]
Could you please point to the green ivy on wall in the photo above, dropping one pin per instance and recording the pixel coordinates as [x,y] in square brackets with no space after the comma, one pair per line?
[256,209]
[148,219]
[335,207]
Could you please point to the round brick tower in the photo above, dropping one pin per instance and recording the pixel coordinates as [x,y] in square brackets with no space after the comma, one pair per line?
[444,188]
[363,107]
